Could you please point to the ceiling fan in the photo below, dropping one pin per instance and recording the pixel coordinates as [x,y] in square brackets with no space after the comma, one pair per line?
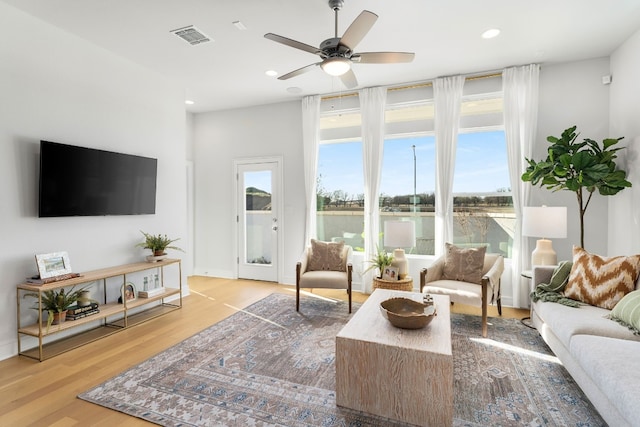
[338,54]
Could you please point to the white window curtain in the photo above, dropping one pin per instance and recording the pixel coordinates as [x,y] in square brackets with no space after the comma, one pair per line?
[310,142]
[448,98]
[372,106]
[520,86]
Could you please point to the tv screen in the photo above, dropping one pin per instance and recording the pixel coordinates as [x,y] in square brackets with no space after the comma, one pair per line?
[79,181]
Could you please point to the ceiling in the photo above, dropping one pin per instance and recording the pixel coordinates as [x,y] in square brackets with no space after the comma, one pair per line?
[229,72]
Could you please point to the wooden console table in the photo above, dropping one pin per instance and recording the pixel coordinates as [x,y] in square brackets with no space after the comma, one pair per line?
[114,316]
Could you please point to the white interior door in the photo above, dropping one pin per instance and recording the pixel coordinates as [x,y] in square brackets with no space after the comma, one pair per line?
[258,196]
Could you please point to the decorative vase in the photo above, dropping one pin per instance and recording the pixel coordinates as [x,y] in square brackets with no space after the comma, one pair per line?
[400,262]
[154,258]
[84,298]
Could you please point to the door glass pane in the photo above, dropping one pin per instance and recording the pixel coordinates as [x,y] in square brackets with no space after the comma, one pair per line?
[258,217]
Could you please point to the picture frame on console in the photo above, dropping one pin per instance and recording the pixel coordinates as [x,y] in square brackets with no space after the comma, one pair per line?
[128,292]
[53,264]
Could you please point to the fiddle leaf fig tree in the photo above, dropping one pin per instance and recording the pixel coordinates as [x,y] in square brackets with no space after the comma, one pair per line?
[582,167]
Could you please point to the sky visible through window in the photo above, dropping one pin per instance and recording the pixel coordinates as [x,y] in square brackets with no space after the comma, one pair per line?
[481,165]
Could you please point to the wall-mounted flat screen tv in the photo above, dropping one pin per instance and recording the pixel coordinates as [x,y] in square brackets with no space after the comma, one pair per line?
[79,181]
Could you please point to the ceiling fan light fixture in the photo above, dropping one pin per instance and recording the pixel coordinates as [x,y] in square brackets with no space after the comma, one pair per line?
[336,66]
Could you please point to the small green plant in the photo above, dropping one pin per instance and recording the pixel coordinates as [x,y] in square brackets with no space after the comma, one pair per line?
[381,260]
[56,301]
[158,243]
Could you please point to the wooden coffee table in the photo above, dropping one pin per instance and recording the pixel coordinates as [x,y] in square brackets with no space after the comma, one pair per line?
[402,374]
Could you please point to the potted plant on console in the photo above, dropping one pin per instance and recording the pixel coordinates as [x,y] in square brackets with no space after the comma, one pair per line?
[158,243]
[56,302]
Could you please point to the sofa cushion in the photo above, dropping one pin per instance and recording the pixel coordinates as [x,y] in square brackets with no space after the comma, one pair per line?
[627,311]
[587,320]
[612,365]
[463,264]
[326,256]
[601,281]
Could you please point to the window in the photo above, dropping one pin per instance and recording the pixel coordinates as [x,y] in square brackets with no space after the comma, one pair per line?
[483,208]
[340,179]
[483,211]
[407,187]
[340,194]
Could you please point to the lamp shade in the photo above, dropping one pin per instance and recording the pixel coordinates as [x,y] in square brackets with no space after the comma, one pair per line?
[400,234]
[336,66]
[545,221]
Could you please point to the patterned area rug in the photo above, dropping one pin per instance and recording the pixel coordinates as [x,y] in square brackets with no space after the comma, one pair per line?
[270,366]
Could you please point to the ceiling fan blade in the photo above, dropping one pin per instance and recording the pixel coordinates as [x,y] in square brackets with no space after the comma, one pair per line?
[349,79]
[292,43]
[298,71]
[382,57]
[358,29]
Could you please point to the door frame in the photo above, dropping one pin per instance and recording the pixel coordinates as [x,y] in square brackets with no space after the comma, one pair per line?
[279,183]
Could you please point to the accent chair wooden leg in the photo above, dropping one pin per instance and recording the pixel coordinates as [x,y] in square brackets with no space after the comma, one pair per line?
[484,309]
[298,268]
[349,276]
[499,301]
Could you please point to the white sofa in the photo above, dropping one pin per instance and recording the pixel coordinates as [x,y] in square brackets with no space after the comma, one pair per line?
[601,355]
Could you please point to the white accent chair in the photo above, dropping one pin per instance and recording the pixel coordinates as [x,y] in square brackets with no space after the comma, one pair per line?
[432,282]
[333,279]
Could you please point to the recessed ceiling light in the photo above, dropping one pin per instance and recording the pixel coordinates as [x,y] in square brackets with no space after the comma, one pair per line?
[294,90]
[490,33]
[189,102]
[271,73]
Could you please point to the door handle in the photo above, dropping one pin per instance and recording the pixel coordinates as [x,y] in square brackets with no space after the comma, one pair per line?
[274,228]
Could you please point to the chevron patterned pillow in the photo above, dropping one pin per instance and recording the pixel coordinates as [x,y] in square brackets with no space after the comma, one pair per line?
[601,281]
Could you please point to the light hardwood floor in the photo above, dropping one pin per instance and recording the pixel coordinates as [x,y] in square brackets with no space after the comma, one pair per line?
[44,393]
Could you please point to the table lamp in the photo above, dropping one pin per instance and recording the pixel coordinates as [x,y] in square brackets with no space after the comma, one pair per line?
[544,222]
[400,235]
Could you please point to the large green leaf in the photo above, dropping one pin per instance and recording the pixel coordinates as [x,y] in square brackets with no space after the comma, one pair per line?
[582,160]
[608,142]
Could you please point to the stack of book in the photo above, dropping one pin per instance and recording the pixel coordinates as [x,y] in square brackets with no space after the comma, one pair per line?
[76,312]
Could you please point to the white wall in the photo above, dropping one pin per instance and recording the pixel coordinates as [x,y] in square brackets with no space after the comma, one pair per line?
[58,87]
[624,208]
[573,94]
[224,136]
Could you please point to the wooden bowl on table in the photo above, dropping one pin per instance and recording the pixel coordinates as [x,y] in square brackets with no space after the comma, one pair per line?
[406,313]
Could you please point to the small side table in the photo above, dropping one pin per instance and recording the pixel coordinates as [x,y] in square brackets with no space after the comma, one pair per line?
[405,284]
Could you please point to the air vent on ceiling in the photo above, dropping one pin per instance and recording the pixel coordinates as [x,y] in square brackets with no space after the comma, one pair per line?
[191,35]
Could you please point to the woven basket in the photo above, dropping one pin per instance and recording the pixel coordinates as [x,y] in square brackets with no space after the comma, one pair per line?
[405,284]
